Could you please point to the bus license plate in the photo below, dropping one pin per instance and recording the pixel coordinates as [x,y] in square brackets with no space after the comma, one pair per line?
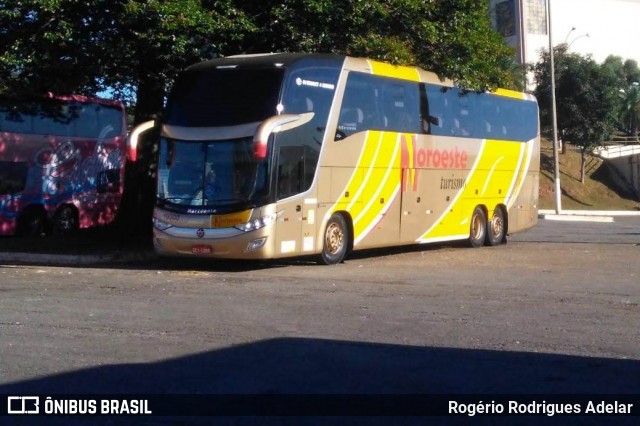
[201,249]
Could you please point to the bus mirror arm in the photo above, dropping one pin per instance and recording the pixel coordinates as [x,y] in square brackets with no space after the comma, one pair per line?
[276,124]
[134,137]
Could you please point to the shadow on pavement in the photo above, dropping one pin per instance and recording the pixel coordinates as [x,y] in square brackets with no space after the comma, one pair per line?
[313,366]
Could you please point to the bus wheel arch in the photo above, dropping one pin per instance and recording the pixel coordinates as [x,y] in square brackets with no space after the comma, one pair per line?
[32,221]
[65,220]
[337,239]
[478,226]
[497,226]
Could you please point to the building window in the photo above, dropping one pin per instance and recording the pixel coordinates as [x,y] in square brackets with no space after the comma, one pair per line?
[537,13]
[506,18]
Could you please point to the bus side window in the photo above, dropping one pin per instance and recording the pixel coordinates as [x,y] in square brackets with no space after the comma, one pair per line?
[438,110]
[359,106]
[351,119]
[401,106]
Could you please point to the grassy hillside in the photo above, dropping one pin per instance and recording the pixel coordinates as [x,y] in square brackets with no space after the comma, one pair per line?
[597,193]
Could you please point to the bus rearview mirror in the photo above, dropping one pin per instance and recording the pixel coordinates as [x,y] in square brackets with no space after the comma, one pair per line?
[276,124]
[134,137]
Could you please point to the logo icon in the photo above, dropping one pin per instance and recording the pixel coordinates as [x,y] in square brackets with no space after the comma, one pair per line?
[200,233]
[23,405]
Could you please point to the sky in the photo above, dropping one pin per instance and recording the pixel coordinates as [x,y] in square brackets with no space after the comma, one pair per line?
[613,27]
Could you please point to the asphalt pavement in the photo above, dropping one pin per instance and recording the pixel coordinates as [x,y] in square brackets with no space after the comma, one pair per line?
[142,253]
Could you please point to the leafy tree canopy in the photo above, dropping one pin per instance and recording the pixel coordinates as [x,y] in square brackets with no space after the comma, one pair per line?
[135,48]
[586,98]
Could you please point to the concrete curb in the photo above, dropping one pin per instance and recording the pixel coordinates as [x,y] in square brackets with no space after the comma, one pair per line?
[75,259]
[577,218]
[590,212]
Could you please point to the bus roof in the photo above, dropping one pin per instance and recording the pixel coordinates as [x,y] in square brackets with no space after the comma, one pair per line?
[86,100]
[359,64]
[267,60]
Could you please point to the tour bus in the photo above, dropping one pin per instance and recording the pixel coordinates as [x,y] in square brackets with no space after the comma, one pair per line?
[61,163]
[275,155]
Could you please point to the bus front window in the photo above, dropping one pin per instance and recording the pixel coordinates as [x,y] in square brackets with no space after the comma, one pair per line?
[214,174]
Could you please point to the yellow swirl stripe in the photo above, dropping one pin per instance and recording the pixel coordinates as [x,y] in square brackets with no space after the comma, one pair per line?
[381,187]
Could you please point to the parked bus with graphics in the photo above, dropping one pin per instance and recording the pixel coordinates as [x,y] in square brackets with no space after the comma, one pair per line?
[268,156]
[62,163]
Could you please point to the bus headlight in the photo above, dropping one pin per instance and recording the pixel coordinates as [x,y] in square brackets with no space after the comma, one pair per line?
[261,222]
[160,225]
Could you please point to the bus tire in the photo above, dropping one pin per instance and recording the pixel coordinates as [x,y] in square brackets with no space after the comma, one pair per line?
[65,220]
[496,228]
[478,227]
[335,241]
[32,222]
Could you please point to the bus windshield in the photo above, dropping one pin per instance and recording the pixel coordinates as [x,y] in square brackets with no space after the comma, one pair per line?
[225,97]
[216,175]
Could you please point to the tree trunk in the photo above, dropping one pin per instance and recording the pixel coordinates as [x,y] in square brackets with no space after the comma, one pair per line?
[150,99]
[583,165]
[139,196]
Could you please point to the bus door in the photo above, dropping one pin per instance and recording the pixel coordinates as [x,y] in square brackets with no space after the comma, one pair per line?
[420,203]
[297,222]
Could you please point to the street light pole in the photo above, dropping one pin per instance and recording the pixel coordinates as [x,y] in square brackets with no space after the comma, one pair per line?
[577,38]
[554,117]
[568,34]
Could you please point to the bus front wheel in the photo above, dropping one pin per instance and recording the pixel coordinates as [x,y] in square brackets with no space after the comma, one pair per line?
[496,228]
[32,222]
[336,240]
[478,227]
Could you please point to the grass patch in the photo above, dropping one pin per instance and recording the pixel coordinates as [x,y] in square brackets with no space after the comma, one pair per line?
[598,191]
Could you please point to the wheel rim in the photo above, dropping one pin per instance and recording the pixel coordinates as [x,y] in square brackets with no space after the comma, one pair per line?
[496,227]
[477,227]
[66,220]
[334,238]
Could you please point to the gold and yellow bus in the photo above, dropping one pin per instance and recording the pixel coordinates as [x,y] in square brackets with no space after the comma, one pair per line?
[276,155]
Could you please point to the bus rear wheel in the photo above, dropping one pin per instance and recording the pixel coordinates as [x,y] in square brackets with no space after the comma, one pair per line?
[65,221]
[496,228]
[478,227]
[336,240]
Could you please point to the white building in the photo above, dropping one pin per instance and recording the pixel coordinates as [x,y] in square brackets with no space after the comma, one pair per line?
[590,27]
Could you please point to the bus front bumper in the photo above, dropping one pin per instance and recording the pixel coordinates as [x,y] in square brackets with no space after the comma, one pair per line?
[228,243]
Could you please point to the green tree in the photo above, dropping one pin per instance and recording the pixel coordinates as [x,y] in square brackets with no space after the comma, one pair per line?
[627,75]
[49,45]
[135,48]
[586,99]
[630,108]
[453,38]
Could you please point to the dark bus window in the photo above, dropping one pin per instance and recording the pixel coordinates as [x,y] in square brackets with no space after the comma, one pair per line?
[452,112]
[307,90]
[296,169]
[59,118]
[14,122]
[359,111]
[379,103]
[215,97]
[400,106]
[13,177]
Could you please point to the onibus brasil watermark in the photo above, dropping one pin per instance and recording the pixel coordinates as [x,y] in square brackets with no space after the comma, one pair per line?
[76,406]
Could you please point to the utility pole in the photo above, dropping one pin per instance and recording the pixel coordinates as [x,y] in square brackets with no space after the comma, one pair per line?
[554,118]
